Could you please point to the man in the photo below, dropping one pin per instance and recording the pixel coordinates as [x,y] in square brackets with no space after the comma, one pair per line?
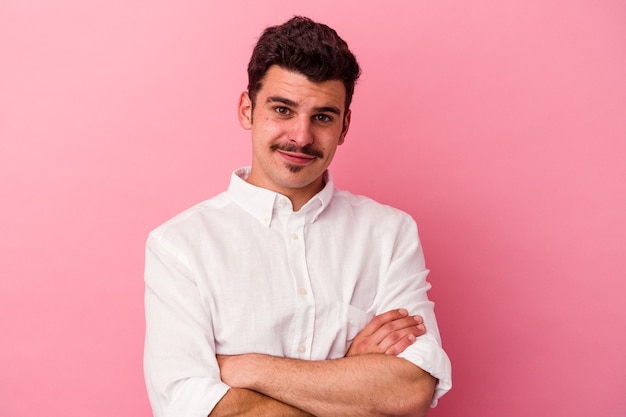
[284,296]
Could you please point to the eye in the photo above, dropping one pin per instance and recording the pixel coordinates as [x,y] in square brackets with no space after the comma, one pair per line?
[282,110]
[322,118]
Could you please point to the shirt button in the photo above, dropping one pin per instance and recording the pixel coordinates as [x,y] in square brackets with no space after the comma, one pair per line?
[294,236]
[301,349]
[303,291]
[282,201]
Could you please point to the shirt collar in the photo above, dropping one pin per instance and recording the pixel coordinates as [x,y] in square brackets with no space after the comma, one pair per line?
[261,202]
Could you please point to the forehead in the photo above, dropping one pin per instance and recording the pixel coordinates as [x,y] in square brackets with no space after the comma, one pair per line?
[299,89]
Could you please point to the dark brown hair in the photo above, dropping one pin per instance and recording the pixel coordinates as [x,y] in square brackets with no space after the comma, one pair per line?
[307,47]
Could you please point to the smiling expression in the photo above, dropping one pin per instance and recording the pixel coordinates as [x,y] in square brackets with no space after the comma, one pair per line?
[296,126]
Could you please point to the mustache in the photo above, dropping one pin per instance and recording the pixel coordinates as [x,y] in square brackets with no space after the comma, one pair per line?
[290,147]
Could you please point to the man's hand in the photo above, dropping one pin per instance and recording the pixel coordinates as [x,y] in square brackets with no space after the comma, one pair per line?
[389,333]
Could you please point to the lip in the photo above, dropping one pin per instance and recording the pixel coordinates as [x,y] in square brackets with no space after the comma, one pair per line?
[296,157]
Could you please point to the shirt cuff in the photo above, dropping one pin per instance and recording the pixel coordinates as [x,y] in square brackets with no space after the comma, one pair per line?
[195,397]
[430,356]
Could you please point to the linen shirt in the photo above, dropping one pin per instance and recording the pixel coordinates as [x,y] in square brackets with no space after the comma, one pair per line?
[243,273]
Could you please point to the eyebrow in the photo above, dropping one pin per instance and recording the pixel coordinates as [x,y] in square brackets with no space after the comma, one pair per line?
[291,103]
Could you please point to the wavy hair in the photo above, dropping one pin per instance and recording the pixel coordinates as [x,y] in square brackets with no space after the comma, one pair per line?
[307,47]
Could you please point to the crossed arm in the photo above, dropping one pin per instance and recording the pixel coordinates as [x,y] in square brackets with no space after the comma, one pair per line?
[369,380]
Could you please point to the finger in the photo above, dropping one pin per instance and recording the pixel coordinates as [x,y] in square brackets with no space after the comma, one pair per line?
[383,329]
[397,328]
[401,345]
[382,319]
[397,342]
[400,329]
[367,340]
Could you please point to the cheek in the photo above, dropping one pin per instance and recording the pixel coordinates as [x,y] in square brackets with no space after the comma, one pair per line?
[329,152]
[332,142]
[270,129]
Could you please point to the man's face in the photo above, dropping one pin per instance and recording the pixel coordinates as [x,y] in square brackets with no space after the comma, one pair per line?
[296,126]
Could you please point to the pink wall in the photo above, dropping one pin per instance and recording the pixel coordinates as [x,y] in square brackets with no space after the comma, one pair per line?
[500,126]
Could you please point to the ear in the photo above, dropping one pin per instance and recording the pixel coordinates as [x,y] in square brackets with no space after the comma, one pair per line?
[244,111]
[346,126]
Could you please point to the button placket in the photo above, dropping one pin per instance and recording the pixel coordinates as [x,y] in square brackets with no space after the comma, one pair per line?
[304,318]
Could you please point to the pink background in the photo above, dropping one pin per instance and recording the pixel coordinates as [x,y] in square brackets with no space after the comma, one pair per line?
[499,125]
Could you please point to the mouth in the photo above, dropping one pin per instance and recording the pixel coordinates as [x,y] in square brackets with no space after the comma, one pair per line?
[297,156]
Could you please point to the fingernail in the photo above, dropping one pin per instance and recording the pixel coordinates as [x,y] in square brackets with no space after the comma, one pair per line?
[403,311]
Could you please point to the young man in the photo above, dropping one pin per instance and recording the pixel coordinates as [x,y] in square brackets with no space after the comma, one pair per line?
[284,296]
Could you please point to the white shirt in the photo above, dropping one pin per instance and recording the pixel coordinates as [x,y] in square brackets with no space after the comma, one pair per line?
[242,273]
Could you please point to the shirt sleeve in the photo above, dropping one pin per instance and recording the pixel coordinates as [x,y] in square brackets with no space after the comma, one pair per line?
[405,286]
[180,367]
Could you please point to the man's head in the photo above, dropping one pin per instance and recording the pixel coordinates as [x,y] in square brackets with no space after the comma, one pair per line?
[306,47]
[301,80]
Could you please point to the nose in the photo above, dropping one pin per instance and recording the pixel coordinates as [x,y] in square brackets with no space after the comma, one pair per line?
[300,132]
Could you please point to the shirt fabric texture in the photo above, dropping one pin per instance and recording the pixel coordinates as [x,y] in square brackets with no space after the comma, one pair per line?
[243,273]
